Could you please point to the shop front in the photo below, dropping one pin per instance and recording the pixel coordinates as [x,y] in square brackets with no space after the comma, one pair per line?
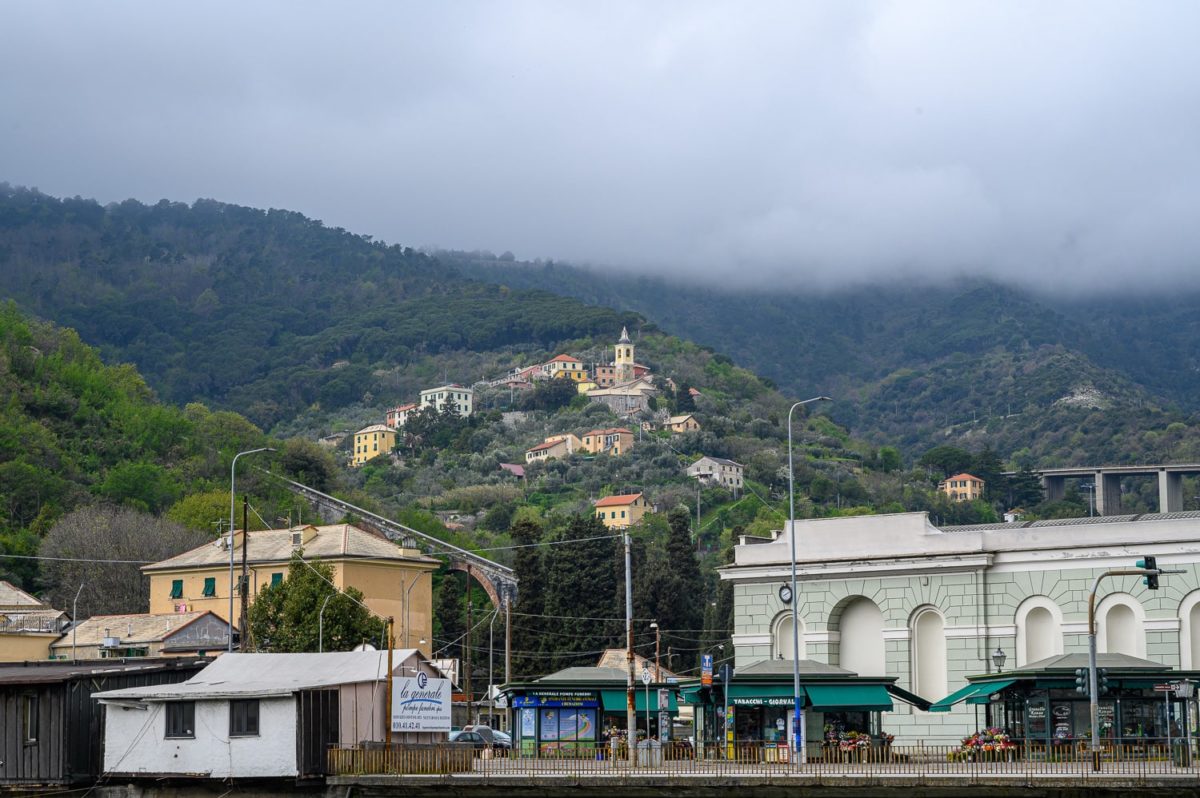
[751,717]
[580,711]
[1038,708]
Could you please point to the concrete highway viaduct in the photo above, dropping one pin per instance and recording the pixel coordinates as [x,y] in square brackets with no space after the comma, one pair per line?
[1107,482]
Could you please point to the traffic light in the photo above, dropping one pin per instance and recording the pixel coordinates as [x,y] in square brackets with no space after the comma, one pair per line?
[1102,680]
[1150,564]
[1081,681]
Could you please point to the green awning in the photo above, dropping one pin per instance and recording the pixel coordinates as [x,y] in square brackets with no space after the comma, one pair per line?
[870,697]
[961,694]
[758,695]
[615,701]
[691,696]
[977,693]
[985,691]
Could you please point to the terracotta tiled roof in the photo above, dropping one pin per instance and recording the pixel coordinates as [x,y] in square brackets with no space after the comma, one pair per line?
[963,475]
[403,408]
[336,541]
[564,359]
[540,446]
[609,431]
[619,501]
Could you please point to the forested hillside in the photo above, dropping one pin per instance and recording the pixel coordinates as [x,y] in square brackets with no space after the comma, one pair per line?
[263,312]
[1045,380]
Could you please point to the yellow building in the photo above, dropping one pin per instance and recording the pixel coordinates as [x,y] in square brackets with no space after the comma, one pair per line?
[395,581]
[619,512]
[613,441]
[27,626]
[681,424]
[962,487]
[566,366]
[372,441]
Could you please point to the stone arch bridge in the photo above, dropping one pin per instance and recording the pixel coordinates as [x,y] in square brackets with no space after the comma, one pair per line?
[497,580]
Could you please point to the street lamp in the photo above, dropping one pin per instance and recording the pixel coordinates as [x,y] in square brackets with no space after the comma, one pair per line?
[998,657]
[232,477]
[657,649]
[797,729]
[1090,487]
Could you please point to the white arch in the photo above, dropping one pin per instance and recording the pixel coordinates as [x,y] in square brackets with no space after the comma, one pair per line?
[1046,640]
[928,628]
[861,646]
[1129,625]
[781,637]
[1189,631]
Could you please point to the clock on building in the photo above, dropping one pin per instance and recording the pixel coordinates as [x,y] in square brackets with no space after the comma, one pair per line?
[785,594]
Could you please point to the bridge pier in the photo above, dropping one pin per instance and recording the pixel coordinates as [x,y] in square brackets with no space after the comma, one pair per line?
[1054,487]
[1108,493]
[1170,491]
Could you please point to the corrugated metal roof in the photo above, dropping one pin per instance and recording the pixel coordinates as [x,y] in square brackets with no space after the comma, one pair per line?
[132,628]
[1099,519]
[46,672]
[234,675]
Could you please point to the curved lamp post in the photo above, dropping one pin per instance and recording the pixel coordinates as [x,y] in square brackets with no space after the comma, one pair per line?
[245,538]
[796,716]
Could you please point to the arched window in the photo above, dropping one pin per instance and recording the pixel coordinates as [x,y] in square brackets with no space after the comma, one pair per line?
[1039,630]
[1189,631]
[929,652]
[1121,626]
[861,633]
[781,643]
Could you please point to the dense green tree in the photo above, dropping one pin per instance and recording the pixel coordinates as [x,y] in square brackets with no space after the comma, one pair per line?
[550,395]
[949,460]
[528,623]
[889,459]
[682,598]
[580,601]
[1025,490]
[287,617]
[450,615]
[684,401]
[205,511]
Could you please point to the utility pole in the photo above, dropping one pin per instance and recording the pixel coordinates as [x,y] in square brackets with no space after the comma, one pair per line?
[657,649]
[630,712]
[247,643]
[507,635]
[467,651]
[387,714]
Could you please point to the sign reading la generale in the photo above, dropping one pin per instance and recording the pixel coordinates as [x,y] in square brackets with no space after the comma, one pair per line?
[420,704]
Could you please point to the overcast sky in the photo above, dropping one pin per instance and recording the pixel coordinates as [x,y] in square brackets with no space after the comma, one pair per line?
[813,141]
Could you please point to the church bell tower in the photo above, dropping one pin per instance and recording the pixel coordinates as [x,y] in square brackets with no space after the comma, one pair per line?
[624,357]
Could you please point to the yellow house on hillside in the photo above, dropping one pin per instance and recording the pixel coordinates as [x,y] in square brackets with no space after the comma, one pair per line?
[395,581]
[681,424]
[613,441]
[372,441]
[619,512]
[566,366]
[962,487]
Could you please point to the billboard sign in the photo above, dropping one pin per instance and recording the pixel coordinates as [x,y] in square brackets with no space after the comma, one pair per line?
[706,670]
[420,704]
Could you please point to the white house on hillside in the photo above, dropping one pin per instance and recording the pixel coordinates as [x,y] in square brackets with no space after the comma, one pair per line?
[460,398]
[259,715]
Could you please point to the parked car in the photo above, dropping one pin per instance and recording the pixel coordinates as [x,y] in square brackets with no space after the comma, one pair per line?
[481,737]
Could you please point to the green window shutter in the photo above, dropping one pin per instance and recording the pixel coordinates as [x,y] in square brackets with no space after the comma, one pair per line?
[176,588]
[210,586]
[276,579]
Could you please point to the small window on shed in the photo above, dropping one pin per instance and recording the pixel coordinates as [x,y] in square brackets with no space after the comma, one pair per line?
[29,718]
[243,718]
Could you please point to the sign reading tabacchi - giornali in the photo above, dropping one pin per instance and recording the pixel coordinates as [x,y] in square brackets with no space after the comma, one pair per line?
[420,704]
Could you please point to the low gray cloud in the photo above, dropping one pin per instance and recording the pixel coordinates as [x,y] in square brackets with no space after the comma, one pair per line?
[814,143]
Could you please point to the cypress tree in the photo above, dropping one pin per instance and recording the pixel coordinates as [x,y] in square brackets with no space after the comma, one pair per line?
[528,624]
[579,594]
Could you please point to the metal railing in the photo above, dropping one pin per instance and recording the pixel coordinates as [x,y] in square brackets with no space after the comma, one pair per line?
[1028,760]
